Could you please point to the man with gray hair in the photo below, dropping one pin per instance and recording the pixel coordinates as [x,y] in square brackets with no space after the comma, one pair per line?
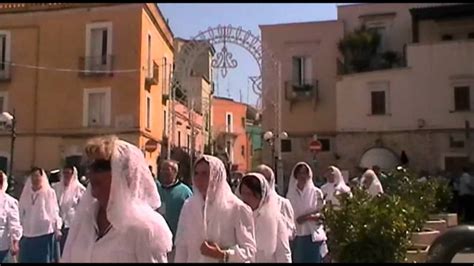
[173,194]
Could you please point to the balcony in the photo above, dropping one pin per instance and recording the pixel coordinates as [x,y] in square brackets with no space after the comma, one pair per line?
[96,66]
[152,78]
[296,91]
[5,74]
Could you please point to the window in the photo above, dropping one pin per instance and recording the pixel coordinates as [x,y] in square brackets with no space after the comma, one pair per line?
[382,32]
[242,150]
[286,145]
[462,98]
[165,122]
[3,101]
[243,121]
[228,123]
[98,46]
[97,107]
[446,37]
[470,35]
[326,144]
[378,102]
[148,112]
[149,61]
[188,141]
[165,73]
[228,149]
[4,53]
[179,138]
[302,70]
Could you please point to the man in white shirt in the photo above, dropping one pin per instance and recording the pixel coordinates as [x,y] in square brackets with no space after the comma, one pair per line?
[466,195]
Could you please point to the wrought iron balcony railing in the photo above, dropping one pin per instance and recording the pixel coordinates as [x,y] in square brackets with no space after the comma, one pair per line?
[96,66]
[152,79]
[296,91]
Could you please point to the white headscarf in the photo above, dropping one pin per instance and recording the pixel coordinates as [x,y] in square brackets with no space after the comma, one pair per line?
[5,183]
[338,186]
[286,208]
[68,193]
[375,187]
[266,217]
[219,199]
[52,209]
[132,203]
[309,199]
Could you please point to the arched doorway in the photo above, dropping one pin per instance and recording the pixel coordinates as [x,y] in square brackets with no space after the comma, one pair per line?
[386,159]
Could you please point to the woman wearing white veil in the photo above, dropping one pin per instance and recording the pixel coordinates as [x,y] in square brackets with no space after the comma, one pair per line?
[271,232]
[10,227]
[39,216]
[68,191]
[285,205]
[371,183]
[334,186]
[115,219]
[307,201]
[214,224]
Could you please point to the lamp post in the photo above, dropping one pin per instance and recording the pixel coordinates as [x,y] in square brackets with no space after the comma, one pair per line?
[274,140]
[9,121]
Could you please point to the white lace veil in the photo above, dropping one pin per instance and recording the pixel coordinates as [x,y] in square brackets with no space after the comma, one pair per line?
[219,197]
[69,191]
[266,217]
[27,195]
[132,203]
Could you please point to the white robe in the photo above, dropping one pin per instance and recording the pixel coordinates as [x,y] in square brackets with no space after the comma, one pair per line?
[10,227]
[34,214]
[282,253]
[289,215]
[238,238]
[68,206]
[117,247]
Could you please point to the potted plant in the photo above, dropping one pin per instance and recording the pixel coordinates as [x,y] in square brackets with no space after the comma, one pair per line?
[443,195]
[366,229]
[418,199]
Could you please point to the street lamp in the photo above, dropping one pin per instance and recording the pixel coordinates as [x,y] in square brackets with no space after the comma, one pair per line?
[8,120]
[274,140]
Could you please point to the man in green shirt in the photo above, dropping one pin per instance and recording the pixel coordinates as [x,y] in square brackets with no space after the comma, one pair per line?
[173,194]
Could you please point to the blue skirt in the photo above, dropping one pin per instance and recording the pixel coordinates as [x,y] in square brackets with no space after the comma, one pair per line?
[40,249]
[304,250]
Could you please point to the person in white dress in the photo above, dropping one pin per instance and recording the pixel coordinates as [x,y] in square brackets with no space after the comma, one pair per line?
[10,227]
[39,216]
[335,186]
[371,183]
[307,201]
[214,224]
[116,221]
[68,192]
[285,205]
[271,232]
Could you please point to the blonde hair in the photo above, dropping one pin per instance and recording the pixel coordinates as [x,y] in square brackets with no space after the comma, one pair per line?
[100,148]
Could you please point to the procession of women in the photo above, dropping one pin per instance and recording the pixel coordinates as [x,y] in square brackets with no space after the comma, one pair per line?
[125,215]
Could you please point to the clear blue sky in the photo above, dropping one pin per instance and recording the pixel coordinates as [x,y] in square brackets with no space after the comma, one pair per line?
[186,20]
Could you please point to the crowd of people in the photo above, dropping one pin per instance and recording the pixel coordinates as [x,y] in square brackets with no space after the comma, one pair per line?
[125,215]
